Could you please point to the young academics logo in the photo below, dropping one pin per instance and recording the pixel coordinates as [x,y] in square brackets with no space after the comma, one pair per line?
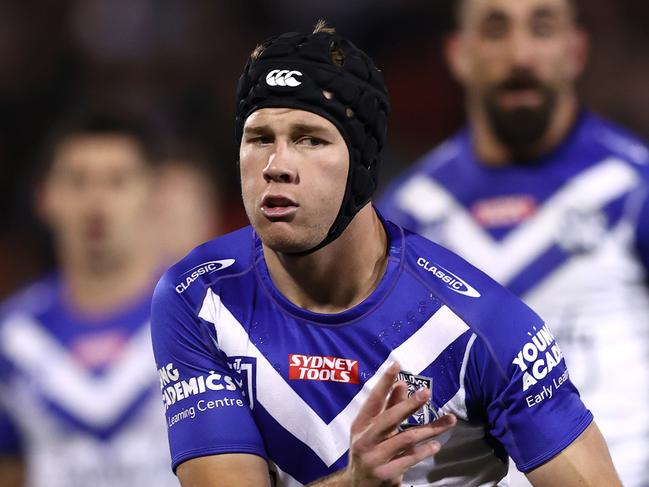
[329,369]
[453,282]
[194,273]
[283,77]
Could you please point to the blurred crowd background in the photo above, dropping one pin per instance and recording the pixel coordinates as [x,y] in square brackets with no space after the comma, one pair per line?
[178,61]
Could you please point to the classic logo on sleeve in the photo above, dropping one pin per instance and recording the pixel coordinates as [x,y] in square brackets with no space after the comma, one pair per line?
[426,413]
[201,269]
[453,282]
[322,368]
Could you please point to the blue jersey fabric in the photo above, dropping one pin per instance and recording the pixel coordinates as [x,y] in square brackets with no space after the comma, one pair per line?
[569,234]
[78,396]
[243,370]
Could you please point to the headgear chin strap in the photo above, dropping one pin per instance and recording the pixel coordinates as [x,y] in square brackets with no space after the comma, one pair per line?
[325,74]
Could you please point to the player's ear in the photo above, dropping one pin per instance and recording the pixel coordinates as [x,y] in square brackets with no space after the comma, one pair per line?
[455,54]
[43,201]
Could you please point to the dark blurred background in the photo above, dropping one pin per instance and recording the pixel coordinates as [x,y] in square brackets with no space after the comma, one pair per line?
[179,61]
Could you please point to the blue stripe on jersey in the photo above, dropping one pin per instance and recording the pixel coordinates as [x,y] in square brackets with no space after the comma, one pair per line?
[283,448]
[126,415]
[540,268]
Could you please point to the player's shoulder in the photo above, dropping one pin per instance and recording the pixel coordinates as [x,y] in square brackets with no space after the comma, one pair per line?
[33,299]
[614,140]
[489,309]
[226,256]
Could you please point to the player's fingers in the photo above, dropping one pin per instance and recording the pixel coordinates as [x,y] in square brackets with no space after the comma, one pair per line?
[399,393]
[391,418]
[406,440]
[375,402]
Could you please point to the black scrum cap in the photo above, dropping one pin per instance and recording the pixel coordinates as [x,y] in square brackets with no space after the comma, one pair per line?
[325,74]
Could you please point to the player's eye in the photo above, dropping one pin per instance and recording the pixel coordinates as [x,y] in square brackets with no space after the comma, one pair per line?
[494,27]
[260,139]
[311,141]
[544,27]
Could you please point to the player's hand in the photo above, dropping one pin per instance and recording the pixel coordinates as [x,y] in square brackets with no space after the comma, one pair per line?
[379,453]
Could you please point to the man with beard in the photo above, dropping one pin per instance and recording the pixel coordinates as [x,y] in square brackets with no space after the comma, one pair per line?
[550,200]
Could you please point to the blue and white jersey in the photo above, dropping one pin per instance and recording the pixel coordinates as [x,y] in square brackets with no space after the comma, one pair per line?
[243,370]
[570,235]
[79,397]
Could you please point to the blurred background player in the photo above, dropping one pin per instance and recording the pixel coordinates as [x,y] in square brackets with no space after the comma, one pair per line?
[80,400]
[550,200]
[188,205]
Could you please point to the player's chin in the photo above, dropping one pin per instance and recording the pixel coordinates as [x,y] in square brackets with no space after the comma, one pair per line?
[285,238]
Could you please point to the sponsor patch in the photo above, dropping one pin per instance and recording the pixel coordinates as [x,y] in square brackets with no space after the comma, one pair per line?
[322,368]
[503,211]
[538,357]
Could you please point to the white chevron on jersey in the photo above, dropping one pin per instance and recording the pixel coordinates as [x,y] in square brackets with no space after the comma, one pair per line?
[429,201]
[97,401]
[328,441]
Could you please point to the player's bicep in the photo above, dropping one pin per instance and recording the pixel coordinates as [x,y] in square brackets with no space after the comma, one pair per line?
[224,470]
[586,462]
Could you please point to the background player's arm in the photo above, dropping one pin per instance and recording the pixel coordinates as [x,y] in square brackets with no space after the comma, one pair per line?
[585,463]
[12,471]
[242,470]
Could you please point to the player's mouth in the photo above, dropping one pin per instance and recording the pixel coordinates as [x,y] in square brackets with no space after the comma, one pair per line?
[520,92]
[530,97]
[278,208]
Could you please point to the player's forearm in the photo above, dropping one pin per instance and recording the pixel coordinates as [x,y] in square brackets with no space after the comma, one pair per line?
[12,471]
[338,479]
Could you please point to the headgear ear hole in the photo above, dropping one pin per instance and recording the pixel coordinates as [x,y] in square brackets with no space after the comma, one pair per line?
[328,94]
[337,54]
[349,112]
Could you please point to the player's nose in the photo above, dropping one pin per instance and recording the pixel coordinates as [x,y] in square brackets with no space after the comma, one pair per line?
[281,166]
[522,49]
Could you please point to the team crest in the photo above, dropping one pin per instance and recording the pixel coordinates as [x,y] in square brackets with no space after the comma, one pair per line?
[426,413]
[246,376]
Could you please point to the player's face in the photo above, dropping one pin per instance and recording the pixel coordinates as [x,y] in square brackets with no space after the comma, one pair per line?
[294,167]
[518,59]
[96,197]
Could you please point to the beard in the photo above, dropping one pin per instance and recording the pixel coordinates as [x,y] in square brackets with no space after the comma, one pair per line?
[520,128]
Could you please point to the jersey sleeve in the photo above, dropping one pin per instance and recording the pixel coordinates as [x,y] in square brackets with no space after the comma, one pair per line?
[525,394]
[642,229]
[206,408]
[10,443]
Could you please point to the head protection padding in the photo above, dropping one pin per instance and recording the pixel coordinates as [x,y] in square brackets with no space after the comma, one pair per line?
[298,71]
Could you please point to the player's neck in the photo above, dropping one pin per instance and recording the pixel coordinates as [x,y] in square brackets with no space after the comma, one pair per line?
[92,290]
[492,152]
[338,276]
